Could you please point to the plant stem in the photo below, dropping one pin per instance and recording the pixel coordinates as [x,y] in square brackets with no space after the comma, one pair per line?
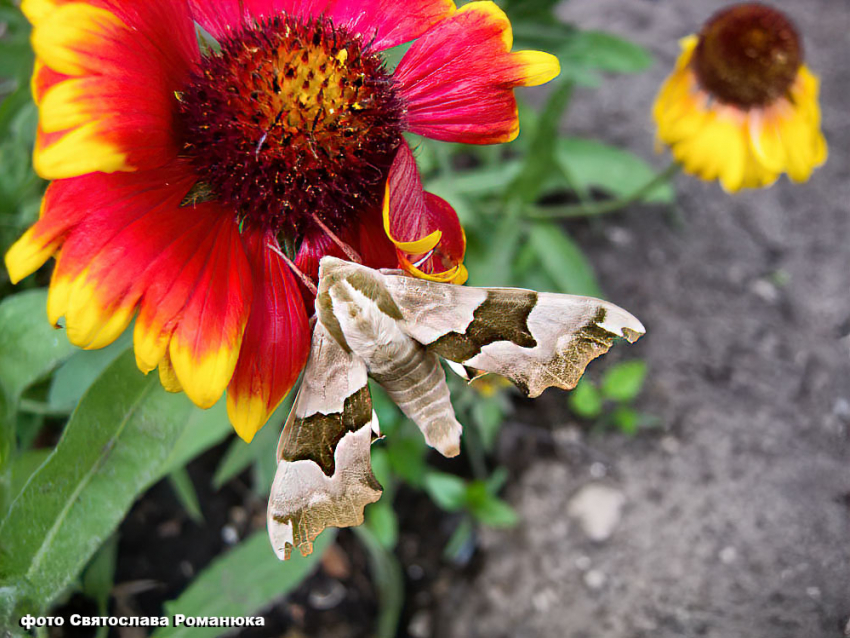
[590,209]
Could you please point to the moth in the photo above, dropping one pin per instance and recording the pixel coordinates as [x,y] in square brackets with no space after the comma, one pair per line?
[394,329]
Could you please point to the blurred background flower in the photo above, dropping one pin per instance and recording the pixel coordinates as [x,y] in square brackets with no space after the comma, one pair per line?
[741,106]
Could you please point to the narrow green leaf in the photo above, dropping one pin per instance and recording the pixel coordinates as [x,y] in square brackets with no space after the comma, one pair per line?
[184,489]
[459,542]
[603,51]
[446,490]
[99,576]
[623,382]
[242,582]
[488,415]
[76,375]
[30,348]
[112,449]
[204,429]
[540,159]
[585,400]
[241,455]
[592,164]
[389,581]
[561,257]
[383,522]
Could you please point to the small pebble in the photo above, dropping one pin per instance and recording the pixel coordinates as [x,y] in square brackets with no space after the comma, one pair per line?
[598,509]
[595,579]
[229,535]
[420,625]
[728,555]
[327,595]
[583,563]
[598,470]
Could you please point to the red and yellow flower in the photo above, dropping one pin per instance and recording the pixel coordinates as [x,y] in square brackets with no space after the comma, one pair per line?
[741,106]
[193,177]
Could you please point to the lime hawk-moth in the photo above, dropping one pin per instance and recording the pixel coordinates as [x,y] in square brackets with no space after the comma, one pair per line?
[394,329]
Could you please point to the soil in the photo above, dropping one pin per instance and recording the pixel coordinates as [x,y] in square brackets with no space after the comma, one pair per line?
[736,515]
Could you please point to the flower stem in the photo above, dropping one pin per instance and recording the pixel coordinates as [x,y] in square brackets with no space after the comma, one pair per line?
[585,209]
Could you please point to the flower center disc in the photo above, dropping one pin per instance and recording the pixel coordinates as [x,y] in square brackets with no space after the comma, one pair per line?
[292,119]
[748,55]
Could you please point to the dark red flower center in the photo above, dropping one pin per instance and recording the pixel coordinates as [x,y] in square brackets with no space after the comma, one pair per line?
[292,119]
[748,55]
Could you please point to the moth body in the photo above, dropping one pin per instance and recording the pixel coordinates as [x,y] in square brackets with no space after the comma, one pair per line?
[351,300]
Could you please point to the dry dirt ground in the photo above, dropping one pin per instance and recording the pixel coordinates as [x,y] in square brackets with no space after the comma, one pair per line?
[735,518]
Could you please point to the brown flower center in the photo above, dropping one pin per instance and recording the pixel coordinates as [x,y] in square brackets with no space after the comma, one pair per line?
[748,55]
[291,119]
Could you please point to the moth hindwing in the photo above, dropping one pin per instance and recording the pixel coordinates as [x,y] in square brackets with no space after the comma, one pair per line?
[392,328]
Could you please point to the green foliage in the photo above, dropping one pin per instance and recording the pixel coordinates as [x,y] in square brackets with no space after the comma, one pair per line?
[112,448]
[241,582]
[609,403]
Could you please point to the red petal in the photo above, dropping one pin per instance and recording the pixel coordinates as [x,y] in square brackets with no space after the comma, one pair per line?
[221,17]
[415,215]
[458,79]
[276,341]
[105,83]
[388,23]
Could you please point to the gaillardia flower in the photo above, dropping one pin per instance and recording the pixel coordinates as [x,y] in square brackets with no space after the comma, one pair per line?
[199,180]
[741,106]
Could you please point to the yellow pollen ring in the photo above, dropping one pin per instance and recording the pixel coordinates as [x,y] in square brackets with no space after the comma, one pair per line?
[417,247]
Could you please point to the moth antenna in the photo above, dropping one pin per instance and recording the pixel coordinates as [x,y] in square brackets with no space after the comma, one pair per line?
[304,278]
[346,248]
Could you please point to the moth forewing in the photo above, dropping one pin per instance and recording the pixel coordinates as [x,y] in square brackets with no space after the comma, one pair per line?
[324,474]
[537,340]
[304,500]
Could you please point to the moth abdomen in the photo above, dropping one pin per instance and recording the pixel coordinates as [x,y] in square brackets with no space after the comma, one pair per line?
[417,384]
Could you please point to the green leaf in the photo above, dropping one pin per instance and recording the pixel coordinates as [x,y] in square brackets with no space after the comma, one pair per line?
[407,457]
[563,260]
[598,50]
[76,375]
[204,429]
[585,400]
[382,521]
[488,414]
[540,159]
[111,450]
[23,467]
[241,455]
[626,419]
[389,581]
[623,382]
[99,577]
[592,164]
[460,539]
[30,348]
[242,582]
[184,489]
[446,490]
[494,512]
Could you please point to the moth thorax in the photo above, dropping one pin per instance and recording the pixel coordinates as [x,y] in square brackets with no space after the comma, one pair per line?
[291,118]
[748,55]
